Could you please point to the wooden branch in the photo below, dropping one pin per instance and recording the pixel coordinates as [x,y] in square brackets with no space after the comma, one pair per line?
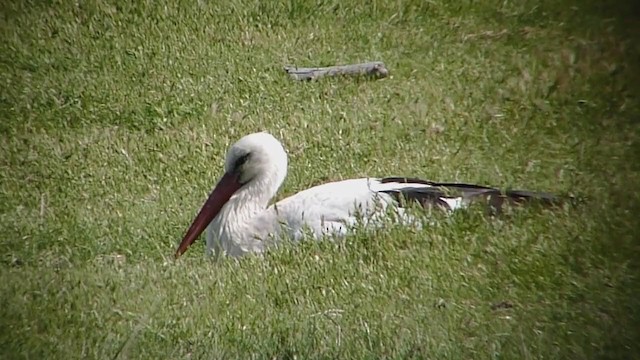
[372,69]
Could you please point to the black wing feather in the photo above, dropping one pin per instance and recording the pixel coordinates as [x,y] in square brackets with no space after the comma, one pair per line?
[435,194]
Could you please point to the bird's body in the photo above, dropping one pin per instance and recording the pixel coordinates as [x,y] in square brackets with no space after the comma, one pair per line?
[239,220]
[327,209]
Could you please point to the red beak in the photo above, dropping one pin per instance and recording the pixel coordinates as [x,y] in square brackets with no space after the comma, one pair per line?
[223,191]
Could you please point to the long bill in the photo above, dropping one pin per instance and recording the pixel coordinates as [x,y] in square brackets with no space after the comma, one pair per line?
[223,191]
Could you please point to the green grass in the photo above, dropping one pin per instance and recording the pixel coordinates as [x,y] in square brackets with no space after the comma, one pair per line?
[114,120]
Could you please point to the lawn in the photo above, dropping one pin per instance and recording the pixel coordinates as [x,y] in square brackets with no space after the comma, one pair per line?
[114,121]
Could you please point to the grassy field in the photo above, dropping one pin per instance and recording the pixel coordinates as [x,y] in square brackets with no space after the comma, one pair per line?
[114,120]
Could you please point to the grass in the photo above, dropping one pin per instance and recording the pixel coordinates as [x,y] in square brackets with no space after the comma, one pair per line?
[114,123]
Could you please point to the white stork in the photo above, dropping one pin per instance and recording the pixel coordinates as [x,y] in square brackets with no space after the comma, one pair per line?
[240,221]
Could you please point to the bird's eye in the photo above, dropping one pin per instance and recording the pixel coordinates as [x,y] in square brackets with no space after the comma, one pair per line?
[240,161]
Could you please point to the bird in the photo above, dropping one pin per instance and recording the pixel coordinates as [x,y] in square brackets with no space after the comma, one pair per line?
[239,220]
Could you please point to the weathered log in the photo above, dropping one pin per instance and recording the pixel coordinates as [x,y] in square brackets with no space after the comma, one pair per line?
[373,69]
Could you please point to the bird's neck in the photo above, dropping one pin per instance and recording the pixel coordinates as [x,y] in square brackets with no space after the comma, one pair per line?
[235,219]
